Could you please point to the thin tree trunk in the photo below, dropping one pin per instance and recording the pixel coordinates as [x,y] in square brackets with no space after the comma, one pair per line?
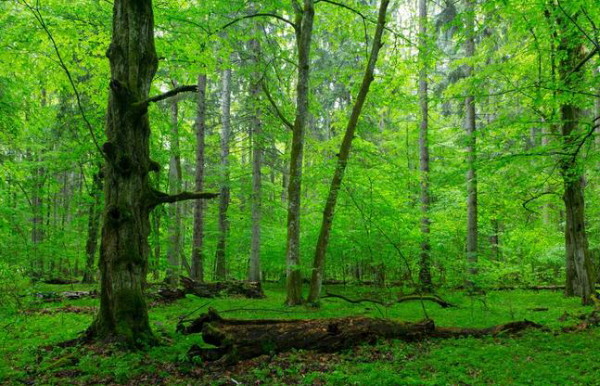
[257,155]
[174,209]
[471,130]
[343,155]
[94,213]
[425,257]
[304,21]
[580,276]
[495,239]
[220,258]
[198,241]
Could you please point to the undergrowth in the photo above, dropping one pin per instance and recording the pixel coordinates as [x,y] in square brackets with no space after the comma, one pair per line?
[28,339]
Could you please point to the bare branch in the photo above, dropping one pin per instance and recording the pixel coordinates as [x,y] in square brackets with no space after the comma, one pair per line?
[164,198]
[275,107]
[273,15]
[169,94]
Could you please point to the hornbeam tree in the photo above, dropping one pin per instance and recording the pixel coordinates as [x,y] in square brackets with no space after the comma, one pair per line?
[129,197]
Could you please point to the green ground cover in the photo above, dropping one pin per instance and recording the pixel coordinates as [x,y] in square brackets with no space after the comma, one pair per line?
[27,340]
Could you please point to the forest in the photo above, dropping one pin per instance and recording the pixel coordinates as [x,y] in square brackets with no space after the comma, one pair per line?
[299,192]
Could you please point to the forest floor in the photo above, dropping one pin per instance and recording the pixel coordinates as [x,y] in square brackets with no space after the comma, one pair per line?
[29,334]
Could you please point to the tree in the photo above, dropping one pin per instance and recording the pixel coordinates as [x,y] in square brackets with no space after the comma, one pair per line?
[198,237]
[580,277]
[174,210]
[94,213]
[425,259]
[220,255]
[342,162]
[129,198]
[471,131]
[304,24]
[254,273]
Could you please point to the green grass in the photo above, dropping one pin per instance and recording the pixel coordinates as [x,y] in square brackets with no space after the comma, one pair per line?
[534,358]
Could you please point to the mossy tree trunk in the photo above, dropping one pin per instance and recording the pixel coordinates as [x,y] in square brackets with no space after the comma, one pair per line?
[580,272]
[305,14]
[129,198]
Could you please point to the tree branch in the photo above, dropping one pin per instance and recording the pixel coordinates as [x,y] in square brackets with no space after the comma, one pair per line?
[168,94]
[275,107]
[273,15]
[163,198]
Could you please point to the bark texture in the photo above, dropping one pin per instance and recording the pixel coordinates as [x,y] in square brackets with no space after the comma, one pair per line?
[198,234]
[304,26]
[129,198]
[254,273]
[425,282]
[580,272]
[342,162]
[220,258]
[243,339]
[174,209]
[471,131]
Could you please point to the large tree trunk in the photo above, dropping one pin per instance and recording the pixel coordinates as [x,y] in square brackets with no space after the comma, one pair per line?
[304,21]
[220,258]
[174,209]
[129,198]
[198,240]
[123,312]
[257,155]
[471,131]
[343,155]
[91,245]
[580,277]
[425,283]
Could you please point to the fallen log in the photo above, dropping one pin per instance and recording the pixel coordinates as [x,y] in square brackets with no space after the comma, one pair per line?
[69,295]
[249,289]
[401,299]
[60,281]
[244,339]
[66,309]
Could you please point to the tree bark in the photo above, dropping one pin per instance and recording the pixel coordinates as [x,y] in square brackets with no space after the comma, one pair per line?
[471,131]
[220,258]
[425,282]
[254,273]
[343,155]
[174,209]
[198,238]
[304,25]
[129,198]
[580,273]
[91,245]
[237,340]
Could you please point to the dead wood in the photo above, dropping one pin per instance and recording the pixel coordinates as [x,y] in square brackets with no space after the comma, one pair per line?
[587,321]
[66,309]
[69,295]
[401,299]
[236,339]
[252,290]
[60,281]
